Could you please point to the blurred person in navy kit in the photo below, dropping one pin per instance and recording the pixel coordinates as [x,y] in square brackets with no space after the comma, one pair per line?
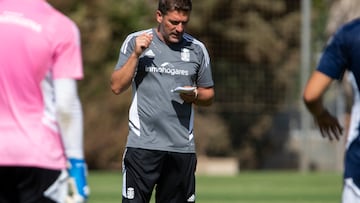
[41,126]
[341,53]
[160,149]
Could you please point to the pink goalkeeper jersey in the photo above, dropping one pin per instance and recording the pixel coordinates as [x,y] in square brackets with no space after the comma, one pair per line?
[37,45]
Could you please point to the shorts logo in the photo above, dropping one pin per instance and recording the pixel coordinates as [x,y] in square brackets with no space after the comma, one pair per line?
[130,193]
[191,198]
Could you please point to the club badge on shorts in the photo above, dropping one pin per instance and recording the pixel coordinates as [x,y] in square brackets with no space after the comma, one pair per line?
[130,193]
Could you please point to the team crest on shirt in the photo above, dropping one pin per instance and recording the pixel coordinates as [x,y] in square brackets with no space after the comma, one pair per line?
[150,54]
[185,55]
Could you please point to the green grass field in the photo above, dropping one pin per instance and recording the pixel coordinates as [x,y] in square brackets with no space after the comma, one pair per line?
[247,187]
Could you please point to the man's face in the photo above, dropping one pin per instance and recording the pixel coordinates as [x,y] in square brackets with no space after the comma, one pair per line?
[172,25]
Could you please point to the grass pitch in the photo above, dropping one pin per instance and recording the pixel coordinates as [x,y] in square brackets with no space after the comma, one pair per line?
[247,187]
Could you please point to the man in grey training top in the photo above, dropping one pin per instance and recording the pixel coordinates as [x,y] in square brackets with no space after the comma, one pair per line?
[160,146]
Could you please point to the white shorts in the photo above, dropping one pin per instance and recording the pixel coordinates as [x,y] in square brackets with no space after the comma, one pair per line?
[351,193]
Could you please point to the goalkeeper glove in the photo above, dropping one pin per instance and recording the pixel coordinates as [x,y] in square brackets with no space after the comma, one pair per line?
[78,187]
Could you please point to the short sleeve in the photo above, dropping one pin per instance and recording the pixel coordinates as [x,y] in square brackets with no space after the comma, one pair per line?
[334,60]
[67,58]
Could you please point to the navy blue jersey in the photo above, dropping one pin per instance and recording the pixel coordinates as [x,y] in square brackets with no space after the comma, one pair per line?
[342,52]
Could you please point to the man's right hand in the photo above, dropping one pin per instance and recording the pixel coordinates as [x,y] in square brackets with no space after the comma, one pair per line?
[329,125]
[142,42]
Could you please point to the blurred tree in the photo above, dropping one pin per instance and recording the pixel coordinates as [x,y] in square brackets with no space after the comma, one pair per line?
[254,48]
[255,54]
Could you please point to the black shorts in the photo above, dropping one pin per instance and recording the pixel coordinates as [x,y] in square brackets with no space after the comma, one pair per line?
[172,174]
[26,184]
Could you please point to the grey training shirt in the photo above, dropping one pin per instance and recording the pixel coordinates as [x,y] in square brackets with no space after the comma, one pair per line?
[159,119]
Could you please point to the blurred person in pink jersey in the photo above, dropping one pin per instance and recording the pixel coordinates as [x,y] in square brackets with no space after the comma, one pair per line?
[41,123]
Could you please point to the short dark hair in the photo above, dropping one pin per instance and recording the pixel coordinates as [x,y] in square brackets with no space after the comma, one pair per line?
[178,5]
